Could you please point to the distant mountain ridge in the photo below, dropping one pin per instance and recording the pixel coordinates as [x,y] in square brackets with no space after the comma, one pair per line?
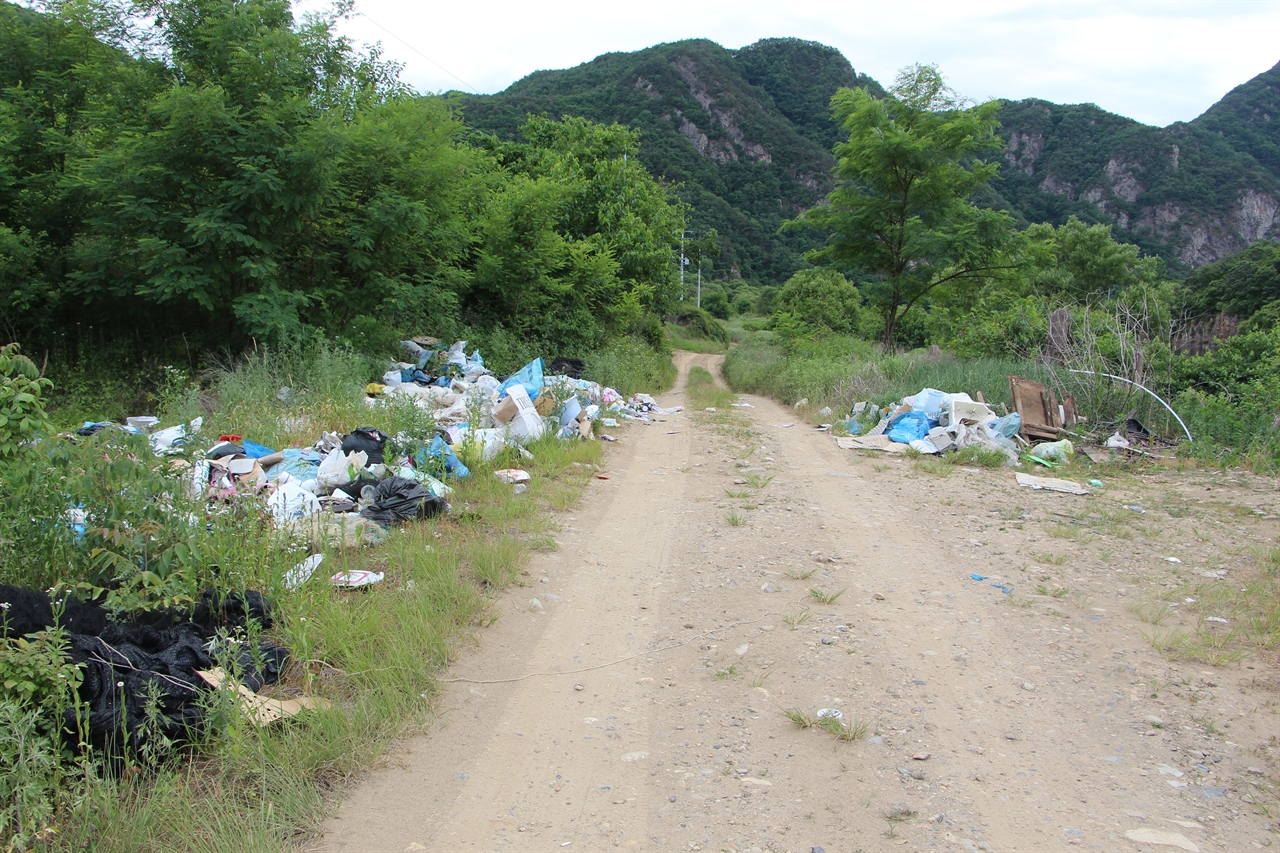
[747,135]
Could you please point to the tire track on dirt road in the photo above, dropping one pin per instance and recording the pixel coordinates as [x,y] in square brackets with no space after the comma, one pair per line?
[993,726]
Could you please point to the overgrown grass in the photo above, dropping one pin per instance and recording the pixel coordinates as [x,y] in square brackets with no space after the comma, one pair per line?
[704,392]
[631,365]
[374,652]
[679,339]
[838,371]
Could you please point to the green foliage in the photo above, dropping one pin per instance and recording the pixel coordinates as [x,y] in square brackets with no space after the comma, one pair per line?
[900,213]
[1242,284]
[840,370]
[263,181]
[821,298]
[697,322]
[772,94]
[630,365]
[1082,263]
[22,413]
[30,787]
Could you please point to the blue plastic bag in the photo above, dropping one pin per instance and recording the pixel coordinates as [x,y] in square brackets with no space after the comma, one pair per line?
[853,427]
[300,464]
[438,449]
[530,376]
[1009,425]
[910,426]
[254,450]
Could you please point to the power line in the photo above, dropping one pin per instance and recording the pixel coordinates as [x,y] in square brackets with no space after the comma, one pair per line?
[420,53]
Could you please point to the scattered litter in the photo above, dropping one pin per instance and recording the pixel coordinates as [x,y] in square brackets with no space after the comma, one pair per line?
[607,437]
[742,405]
[874,442]
[785,426]
[1172,560]
[1117,442]
[1097,484]
[1136,508]
[830,713]
[512,475]
[1217,619]
[302,572]
[1161,837]
[979,577]
[262,710]
[602,476]
[356,579]
[1050,484]
[709,409]
[1005,589]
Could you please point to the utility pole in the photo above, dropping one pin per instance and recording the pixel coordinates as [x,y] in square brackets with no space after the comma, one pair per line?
[699,280]
[683,263]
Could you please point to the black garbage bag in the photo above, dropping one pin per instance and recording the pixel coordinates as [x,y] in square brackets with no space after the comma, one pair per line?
[571,367]
[372,441]
[217,609]
[27,611]
[139,684]
[398,499]
[140,680]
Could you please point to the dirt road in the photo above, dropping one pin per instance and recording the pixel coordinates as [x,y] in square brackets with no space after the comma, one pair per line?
[639,702]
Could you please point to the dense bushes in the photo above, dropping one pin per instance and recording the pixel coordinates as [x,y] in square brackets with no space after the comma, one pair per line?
[219,173]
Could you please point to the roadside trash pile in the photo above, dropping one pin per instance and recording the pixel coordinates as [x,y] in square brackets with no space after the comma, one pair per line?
[147,679]
[346,490]
[935,422]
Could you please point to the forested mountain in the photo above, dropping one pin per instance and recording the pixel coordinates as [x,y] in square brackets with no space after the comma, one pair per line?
[748,135]
[1194,192]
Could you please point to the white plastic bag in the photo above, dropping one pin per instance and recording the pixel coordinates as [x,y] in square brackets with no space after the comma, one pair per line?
[338,470]
[291,501]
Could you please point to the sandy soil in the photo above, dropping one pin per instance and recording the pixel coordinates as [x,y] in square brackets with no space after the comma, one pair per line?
[639,703]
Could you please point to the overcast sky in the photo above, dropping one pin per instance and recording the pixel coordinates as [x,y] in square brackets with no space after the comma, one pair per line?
[1154,61]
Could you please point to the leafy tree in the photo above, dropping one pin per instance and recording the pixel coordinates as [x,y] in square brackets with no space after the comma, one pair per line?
[820,298]
[1083,262]
[1241,284]
[22,412]
[577,240]
[901,214]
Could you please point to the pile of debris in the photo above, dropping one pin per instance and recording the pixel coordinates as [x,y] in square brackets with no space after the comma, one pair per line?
[145,678]
[346,490]
[934,422]
[1034,432]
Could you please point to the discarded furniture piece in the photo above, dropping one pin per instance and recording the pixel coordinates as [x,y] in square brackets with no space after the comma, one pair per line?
[1042,414]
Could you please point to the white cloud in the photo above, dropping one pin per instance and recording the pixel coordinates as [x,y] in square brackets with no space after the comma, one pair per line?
[1158,62]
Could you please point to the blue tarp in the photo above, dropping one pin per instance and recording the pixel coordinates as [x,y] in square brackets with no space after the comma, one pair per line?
[909,426]
[530,376]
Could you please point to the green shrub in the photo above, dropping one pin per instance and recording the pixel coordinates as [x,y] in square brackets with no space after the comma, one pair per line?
[822,298]
[22,413]
[697,323]
[630,365]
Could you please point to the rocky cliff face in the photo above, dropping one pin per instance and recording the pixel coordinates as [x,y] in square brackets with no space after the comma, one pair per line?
[1193,192]
[747,135]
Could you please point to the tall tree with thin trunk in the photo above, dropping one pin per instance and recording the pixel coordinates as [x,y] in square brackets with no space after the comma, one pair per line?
[901,218]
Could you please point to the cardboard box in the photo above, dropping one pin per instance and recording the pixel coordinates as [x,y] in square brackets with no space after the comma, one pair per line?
[545,404]
[516,401]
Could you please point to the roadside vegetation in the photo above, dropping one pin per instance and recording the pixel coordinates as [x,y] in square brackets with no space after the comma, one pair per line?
[373,652]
